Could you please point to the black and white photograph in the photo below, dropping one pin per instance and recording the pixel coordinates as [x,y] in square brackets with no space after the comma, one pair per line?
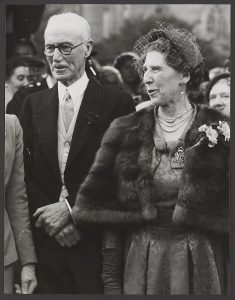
[117,149]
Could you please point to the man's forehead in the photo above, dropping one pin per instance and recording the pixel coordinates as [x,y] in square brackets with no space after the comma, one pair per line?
[63,33]
[61,27]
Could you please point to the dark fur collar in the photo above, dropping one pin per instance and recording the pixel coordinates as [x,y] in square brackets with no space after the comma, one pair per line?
[127,197]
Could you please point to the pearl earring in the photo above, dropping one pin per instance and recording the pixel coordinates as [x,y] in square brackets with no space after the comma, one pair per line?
[181,84]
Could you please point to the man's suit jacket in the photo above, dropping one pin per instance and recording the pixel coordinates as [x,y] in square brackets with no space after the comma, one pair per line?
[18,241]
[15,105]
[39,117]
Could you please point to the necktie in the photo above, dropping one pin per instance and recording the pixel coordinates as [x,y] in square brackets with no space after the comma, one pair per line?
[67,110]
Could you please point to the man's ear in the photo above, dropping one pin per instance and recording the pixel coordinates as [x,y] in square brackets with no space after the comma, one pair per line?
[89,46]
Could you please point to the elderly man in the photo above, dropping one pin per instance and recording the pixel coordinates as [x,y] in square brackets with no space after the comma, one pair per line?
[63,128]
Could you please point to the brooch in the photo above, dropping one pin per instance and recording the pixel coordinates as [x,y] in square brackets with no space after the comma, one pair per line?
[178,159]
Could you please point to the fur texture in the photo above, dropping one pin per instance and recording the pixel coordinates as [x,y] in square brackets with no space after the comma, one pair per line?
[119,187]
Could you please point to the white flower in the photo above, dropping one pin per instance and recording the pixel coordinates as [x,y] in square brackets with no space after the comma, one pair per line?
[213,135]
[203,128]
[224,129]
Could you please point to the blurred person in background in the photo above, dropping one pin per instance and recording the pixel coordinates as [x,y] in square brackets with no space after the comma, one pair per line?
[196,91]
[21,47]
[227,65]
[218,93]
[26,49]
[17,74]
[110,76]
[15,105]
[125,64]
[39,77]
[18,241]
[215,71]
[160,182]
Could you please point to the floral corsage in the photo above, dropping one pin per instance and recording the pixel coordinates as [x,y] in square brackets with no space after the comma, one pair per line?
[215,133]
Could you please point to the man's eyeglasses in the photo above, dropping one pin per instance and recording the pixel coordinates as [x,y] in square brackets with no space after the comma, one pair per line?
[64,49]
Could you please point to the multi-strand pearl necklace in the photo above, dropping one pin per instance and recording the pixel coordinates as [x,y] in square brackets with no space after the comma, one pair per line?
[172,124]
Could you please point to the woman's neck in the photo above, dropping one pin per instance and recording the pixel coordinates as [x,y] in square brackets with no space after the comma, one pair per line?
[176,108]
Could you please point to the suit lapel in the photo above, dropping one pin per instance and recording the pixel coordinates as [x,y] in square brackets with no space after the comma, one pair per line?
[46,122]
[90,110]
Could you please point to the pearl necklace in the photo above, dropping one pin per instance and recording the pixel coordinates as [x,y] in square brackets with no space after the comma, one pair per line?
[180,121]
[170,130]
[172,119]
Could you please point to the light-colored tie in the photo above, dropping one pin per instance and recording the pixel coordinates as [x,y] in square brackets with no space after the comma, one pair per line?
[67,110]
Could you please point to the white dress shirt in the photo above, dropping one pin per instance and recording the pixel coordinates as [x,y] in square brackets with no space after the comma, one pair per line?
[76,91]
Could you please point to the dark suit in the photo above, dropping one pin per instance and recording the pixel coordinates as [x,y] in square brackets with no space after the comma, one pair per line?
[15,105]
[76,269]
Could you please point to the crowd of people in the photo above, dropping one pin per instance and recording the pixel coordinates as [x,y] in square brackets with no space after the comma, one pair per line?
[116,176]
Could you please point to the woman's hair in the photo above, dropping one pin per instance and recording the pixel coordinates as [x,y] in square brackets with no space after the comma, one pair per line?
[179,47]
[123,57]
[13,63]
[214,80]
[109,75]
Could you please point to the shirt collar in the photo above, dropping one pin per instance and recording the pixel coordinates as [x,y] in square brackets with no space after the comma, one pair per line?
[75,90]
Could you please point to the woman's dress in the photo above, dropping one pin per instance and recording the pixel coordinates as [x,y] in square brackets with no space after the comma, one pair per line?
[165,259]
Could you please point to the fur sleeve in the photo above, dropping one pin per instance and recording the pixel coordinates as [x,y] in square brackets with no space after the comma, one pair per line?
[97,201]
[203,199]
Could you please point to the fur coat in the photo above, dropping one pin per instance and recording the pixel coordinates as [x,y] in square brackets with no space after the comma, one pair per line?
[119,187]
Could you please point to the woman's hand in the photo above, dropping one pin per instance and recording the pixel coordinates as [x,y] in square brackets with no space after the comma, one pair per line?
[28,280]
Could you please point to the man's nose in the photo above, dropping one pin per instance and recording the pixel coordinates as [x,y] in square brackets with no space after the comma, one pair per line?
[57,56]
[25,81]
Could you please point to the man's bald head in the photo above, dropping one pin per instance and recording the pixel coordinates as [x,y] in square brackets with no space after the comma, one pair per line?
[70,20]
[73,32]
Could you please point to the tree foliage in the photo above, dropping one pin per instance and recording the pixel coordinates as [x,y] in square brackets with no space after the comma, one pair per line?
[134,28]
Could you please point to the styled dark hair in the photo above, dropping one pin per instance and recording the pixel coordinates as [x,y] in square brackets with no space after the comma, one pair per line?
[122,58]
[13,63]
[214,81]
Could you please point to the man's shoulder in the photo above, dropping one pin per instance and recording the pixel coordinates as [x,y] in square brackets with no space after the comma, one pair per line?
[116,93]
[37,93]
[109,93]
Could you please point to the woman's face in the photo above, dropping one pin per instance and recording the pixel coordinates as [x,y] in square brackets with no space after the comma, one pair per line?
[219,97]
[19,78]
[161,80]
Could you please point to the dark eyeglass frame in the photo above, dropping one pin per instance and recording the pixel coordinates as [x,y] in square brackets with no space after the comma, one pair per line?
[58,47]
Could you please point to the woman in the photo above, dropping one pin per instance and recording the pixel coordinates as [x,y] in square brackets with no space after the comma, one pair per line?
[125,64]
[17,73]
[110,76]
[218,93]
[160,182]
[18,242]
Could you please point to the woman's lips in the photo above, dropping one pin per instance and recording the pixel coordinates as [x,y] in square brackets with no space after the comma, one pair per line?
[153,92]
[219,107]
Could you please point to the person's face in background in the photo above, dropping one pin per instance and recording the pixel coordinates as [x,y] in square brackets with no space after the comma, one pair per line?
[18,78]
[128,71]
[23,50]
[67,68]
[219,97]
